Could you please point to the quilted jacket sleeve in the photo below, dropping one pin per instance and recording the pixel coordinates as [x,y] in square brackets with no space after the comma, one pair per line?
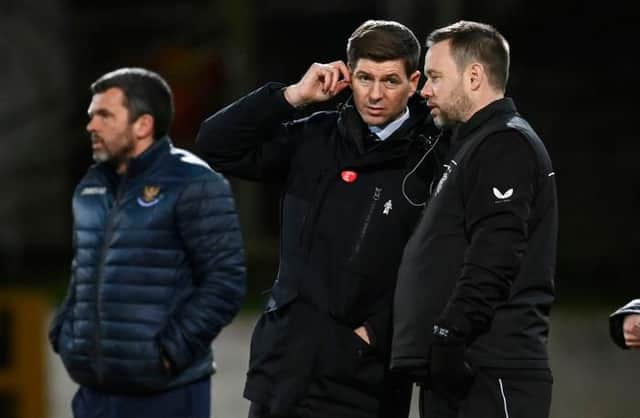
[208,223]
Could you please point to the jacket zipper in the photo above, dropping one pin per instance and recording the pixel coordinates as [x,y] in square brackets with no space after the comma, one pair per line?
[367,220]
[103,255]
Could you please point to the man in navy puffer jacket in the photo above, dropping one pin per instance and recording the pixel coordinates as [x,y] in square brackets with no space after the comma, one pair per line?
[158,267]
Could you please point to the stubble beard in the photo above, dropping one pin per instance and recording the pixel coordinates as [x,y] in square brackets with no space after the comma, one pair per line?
[116,156]
[456,111]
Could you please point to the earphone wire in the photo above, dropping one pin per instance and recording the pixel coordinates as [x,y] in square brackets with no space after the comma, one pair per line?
[406,177]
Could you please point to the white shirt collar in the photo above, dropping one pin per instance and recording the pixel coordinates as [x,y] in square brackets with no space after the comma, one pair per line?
[387,131]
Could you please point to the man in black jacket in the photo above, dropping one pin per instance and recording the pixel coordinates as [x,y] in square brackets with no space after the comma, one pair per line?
[475,284]
[158,266]
[350,202]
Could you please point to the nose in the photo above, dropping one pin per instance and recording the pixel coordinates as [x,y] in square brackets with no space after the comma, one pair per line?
[426,91]
[90,125]
[375,93]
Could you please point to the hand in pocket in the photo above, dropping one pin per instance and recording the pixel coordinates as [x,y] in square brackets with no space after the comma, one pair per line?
[361,332]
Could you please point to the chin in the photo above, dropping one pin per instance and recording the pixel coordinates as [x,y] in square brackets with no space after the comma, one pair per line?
[101,157]
[376,120]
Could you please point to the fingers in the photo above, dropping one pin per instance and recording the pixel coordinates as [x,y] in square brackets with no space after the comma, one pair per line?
[633,345]
[329,79]
[631,324]
[362,333]
[341,85]
[631,330]
[340,77]
[321,82]
[631,338]
[334,77]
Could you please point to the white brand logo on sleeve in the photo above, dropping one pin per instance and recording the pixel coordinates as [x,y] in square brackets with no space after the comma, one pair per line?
[448,169]
[387,207]
[93,190]
[502,196]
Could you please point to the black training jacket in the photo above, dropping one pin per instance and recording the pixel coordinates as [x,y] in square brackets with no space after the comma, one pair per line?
[482,258]
[344,223]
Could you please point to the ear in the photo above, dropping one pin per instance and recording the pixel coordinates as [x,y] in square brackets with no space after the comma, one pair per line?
[351,71]
[143,127]
[476,76]
[414,79]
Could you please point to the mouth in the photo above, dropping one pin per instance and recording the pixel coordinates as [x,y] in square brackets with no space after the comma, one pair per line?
[97,146]
[375,111]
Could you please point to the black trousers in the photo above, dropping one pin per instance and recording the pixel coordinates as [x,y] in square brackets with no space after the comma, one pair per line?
[258,411]
[495,394]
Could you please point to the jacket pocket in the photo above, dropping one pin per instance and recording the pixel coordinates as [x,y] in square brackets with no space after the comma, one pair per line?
[347,361]
[283,351]
[270,334]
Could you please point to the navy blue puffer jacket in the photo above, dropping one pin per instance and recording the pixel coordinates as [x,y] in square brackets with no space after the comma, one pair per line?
[158,271]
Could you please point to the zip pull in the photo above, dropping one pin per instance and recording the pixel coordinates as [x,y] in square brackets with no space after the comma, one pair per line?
[430,141]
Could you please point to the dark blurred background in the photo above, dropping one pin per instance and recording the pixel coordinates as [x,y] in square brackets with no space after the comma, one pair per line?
[572,76]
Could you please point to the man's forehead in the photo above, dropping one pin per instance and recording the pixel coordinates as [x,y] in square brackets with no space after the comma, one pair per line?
[112,97]
[437,56]
[438,50]
[389,66]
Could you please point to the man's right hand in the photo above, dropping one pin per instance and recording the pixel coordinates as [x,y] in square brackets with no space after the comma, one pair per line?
[321,82]
[631,328]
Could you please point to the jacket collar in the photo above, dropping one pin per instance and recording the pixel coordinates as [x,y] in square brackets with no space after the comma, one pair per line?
[149,157]
[493,109]
[141,163]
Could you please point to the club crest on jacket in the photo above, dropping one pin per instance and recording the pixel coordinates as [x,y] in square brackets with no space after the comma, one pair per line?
[150,196]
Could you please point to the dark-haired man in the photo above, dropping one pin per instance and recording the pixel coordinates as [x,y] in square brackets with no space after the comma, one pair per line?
[475,285]
[350,201]
[158,267]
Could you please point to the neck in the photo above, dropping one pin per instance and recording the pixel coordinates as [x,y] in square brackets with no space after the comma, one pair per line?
[141,145]
[484,101]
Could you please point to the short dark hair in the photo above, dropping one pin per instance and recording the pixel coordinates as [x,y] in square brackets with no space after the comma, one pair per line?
[145,92]
[471,41]
[384,40]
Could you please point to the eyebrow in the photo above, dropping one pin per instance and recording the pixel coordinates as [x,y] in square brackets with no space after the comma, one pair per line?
[100,111]
[389,75]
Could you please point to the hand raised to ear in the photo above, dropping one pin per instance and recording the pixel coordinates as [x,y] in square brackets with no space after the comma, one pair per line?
[321,82]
